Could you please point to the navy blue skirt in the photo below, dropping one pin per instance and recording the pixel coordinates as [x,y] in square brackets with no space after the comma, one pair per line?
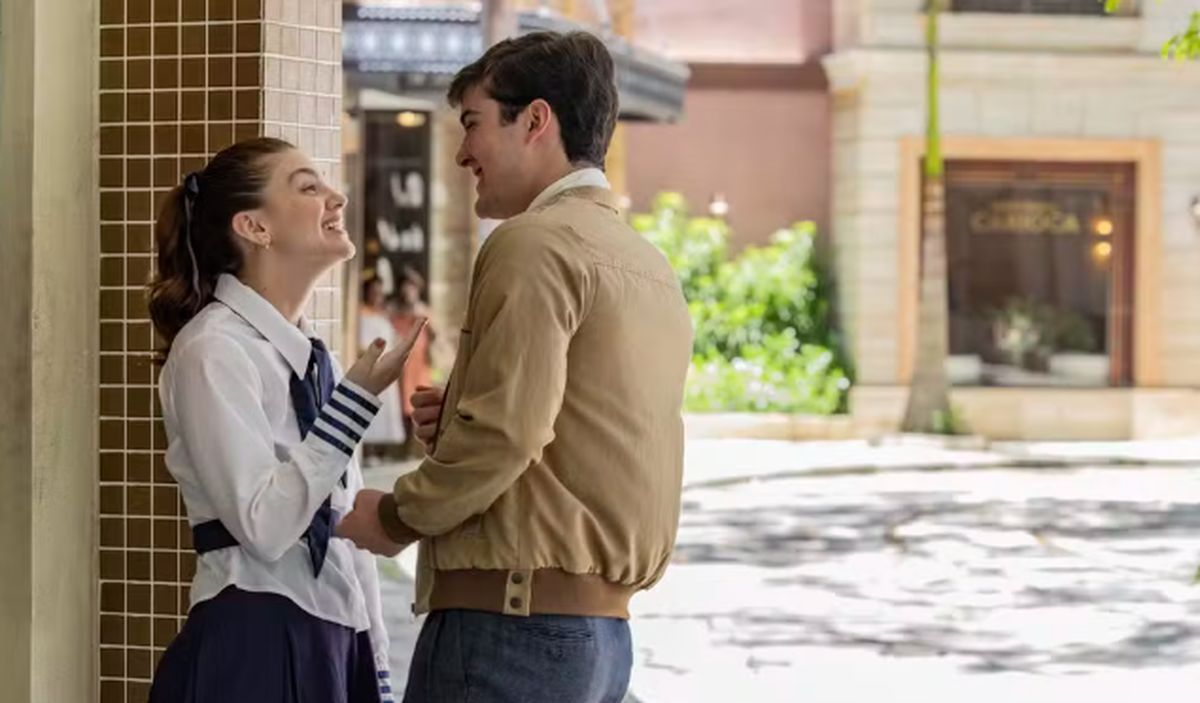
[244,647]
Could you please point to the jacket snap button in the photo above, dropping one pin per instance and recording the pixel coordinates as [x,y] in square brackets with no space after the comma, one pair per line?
[515,603]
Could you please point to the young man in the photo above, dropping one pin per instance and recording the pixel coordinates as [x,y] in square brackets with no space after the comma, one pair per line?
[552,487]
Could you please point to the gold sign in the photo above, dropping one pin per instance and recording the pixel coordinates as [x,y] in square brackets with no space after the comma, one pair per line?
[1024,217]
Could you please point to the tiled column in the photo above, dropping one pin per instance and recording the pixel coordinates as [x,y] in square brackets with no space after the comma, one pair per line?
[301,101]
[179,80]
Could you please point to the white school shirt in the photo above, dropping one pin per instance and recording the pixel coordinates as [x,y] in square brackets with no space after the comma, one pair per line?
[234,447]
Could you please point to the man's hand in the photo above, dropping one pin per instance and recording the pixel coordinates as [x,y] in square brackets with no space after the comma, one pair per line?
[427,413]
[362,525]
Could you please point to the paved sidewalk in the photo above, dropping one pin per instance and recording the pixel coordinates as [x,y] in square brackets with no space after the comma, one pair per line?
[396,590]
[845,571]
[931,587]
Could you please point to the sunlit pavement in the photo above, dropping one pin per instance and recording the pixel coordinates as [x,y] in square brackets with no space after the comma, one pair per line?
[992,585]
[845,572]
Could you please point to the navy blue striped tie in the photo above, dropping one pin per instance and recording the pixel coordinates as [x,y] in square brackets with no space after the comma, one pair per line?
[308,395]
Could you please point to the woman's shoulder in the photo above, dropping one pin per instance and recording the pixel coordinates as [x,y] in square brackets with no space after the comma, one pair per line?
[216,332]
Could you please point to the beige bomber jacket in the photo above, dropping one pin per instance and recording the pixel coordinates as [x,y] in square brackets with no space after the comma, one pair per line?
[561,439]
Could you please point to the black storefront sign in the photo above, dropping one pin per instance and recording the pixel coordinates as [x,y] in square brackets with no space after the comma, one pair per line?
[396,209]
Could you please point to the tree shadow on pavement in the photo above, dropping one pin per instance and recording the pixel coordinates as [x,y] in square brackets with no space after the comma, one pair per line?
[1040,585]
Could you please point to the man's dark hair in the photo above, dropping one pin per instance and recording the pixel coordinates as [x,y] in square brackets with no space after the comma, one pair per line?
[572,72]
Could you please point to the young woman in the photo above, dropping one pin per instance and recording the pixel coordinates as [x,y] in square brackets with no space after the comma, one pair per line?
[261,430]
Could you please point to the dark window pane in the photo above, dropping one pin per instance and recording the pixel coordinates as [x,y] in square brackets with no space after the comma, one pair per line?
[1039,273]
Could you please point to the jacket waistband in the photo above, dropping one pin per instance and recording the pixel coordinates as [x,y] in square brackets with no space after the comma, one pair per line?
[530,592]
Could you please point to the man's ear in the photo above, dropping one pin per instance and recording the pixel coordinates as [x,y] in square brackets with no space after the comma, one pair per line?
[540,116]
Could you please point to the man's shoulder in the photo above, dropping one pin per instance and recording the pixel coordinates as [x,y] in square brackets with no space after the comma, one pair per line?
[539,223]
[576,211]
[531,234]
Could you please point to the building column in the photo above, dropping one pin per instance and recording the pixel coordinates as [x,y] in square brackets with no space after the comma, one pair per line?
[454,237]
[617,162]
[179,81]
[454,229]
[48,346]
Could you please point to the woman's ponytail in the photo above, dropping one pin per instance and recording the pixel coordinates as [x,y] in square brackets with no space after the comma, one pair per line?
[193,235]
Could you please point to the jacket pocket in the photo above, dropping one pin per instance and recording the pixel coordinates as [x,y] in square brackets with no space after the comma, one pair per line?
[557,629]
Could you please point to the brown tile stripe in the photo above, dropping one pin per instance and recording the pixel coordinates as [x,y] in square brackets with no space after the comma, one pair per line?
[180,79]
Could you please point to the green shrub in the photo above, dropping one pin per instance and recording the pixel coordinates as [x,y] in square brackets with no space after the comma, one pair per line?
[764,341]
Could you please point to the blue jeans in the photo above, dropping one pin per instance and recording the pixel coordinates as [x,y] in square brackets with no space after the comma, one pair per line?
[464,656]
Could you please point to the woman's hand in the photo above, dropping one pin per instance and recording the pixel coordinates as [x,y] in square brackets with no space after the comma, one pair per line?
[363,527]
[377,369]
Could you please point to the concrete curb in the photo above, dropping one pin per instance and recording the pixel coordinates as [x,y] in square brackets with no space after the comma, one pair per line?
[1048,463]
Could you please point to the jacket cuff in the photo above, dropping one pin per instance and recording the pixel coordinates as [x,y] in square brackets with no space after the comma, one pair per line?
[395,528]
